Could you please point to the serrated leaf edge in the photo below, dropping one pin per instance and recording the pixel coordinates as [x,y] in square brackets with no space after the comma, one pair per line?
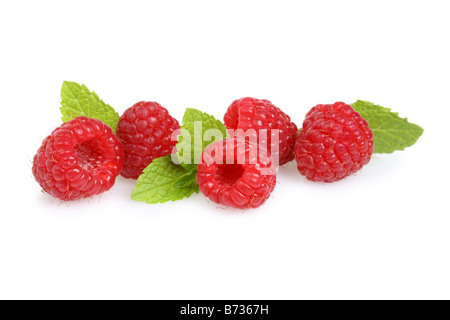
[413,126]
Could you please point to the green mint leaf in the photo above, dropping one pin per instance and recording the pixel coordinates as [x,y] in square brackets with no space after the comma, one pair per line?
[190,179]
[390,132]
[193,140]
[164,181]
[77,100]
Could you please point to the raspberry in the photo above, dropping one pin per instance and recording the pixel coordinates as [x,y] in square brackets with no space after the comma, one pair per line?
[80,159]
[145,130]
[251,113]
[335,142]
[236,173]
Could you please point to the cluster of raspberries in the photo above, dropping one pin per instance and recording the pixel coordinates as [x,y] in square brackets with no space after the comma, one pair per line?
[83,157]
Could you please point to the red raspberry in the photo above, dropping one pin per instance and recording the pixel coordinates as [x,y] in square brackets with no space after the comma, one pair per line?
[335,142]
[80,159]
[251,113]
[236,173]
[145,130]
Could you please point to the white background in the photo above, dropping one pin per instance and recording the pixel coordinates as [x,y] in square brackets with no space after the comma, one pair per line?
[382,233]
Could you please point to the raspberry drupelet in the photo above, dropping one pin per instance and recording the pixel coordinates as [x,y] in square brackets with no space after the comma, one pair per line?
[236,173]
[335,142]
[250,113]
[145,129]
[79,159]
